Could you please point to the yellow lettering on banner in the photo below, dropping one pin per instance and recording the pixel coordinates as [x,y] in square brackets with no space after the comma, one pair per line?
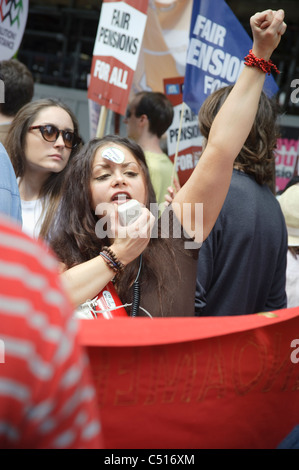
[167,381]
[248,348]
[213,374]
[194,372]
[280,366]
[159,372]
[102,373]
[127,389]
[119,78]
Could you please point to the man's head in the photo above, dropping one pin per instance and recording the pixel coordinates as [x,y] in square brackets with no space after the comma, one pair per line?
[18,86]
[151,111]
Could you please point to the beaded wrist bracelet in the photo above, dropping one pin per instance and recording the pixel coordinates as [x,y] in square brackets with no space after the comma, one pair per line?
[252,61]
[111,260]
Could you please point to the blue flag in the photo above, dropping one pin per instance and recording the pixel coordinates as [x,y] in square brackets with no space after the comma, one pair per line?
[217,46]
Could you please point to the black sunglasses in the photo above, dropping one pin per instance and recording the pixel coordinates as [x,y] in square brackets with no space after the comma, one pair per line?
[51,133]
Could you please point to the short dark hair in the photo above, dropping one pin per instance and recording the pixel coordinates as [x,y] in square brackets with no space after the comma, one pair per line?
[157,108]
[18,86]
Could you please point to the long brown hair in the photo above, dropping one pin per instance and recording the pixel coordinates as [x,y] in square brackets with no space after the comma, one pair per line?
[73,236]
[15,145]
[257,156]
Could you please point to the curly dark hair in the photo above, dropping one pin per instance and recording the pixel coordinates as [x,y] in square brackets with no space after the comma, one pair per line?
[257,156]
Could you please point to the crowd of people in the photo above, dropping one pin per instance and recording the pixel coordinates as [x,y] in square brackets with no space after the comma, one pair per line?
[65,195]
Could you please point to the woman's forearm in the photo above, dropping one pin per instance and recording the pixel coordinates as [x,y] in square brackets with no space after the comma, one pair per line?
[86,280]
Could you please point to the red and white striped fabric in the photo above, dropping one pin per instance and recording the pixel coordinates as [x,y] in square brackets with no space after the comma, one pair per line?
[47,399]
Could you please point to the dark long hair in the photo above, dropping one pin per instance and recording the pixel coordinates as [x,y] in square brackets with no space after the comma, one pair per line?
[73,237]
[257,156]
[15,146]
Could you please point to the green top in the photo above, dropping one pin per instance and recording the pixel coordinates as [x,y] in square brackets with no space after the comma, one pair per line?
[160,169]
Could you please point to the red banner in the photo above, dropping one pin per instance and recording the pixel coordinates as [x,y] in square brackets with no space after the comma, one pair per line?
[196,383]
[116,51]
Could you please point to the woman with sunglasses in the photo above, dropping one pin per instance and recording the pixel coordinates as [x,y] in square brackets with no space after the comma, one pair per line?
[43,138]
[88,236]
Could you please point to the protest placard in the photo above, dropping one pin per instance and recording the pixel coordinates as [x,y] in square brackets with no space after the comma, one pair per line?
[13,19]
[184,141]
[116,50]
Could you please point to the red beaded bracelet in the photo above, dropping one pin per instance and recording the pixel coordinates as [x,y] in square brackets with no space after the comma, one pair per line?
[252,61]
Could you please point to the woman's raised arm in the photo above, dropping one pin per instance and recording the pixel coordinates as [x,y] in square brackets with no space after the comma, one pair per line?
[210,180]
